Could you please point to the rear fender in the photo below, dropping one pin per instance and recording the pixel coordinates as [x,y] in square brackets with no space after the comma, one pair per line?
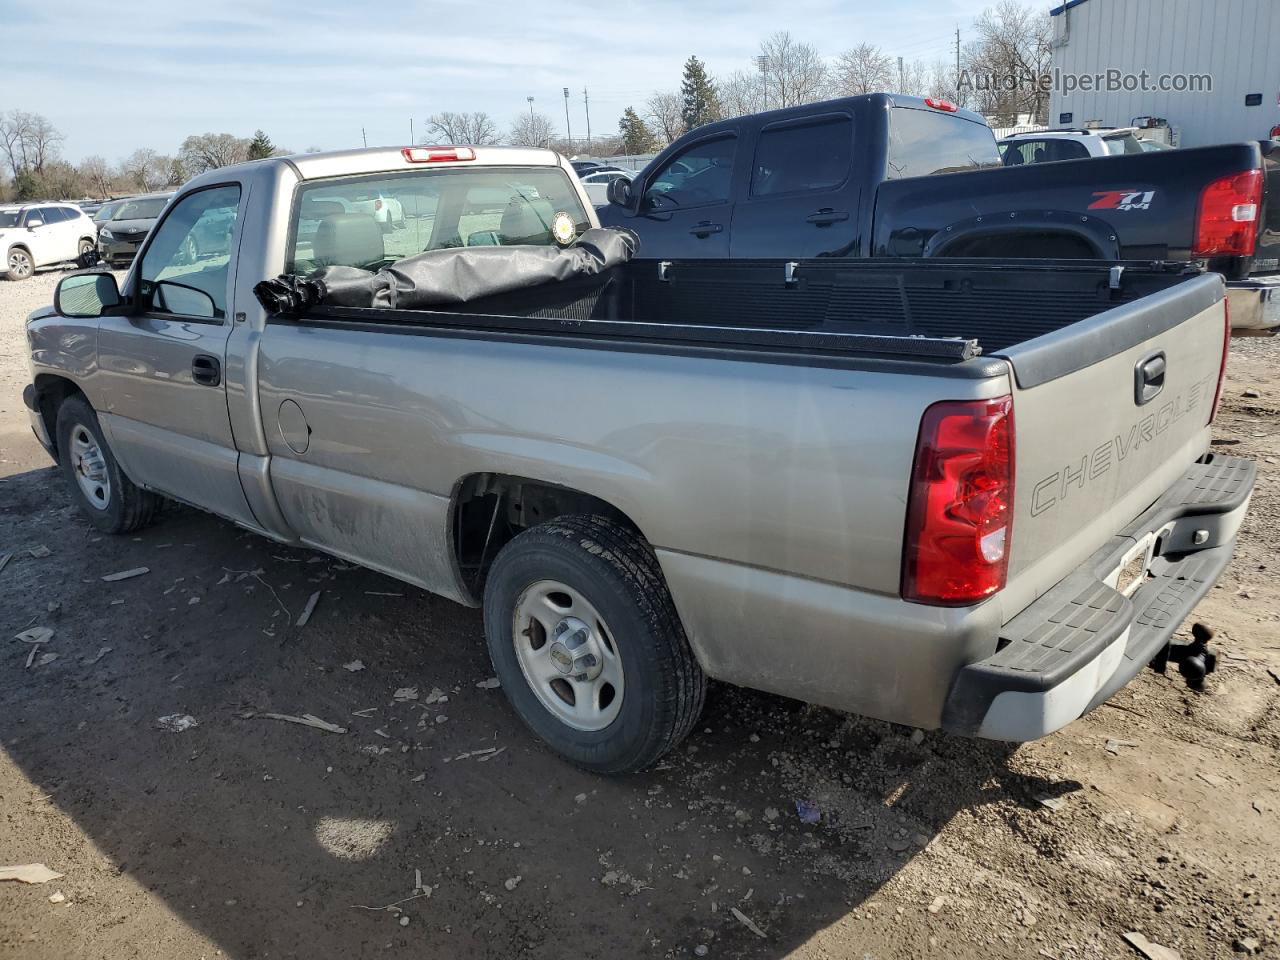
[1076,228]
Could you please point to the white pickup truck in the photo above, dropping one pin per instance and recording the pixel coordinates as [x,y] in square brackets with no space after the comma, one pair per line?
[975,495]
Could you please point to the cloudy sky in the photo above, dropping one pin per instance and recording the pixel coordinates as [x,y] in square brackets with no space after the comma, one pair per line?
[113,77]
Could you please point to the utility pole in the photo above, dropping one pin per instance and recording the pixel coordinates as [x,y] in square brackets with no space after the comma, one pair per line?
[902,80]
[364,137]
[586,106]
[530,99]
[568,132]
[959,99]
[762,63]
[411,131]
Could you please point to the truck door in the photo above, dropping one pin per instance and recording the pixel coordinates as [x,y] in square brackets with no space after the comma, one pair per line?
[801,200]
[163,396]
[686,205]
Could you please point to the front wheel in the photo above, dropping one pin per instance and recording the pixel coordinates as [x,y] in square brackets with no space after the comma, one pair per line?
[587,643]
[88,254]
[21,266]
[110,500]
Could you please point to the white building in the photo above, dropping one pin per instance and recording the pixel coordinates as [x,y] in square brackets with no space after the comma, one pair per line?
[1236,43]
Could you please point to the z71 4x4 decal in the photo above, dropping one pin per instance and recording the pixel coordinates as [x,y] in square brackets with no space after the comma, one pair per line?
[1122,200]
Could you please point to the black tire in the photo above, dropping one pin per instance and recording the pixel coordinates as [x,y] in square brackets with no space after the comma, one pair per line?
[619,575]
[126,506]
[88,253]
[19,265]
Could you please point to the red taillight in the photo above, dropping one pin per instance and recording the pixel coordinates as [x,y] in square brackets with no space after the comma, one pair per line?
[1275,132]
[437,154]
[960,514]
[1227,225]
[1226,349]
[936,104]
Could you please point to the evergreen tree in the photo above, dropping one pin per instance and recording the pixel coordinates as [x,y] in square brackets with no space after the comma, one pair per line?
[698,91]
[260,147]
[635,133]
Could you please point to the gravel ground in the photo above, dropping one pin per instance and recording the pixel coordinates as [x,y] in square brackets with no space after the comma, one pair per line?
[250,838]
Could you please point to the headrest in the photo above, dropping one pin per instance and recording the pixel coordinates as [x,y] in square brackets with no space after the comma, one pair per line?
[318,209]
[348,239]
[526,221]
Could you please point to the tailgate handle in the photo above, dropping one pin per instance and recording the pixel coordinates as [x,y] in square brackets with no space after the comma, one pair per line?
[1148,378]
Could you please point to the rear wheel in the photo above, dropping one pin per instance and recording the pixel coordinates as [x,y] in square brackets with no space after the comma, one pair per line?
[110,500]
[88,254]
[588,646]
[21,266]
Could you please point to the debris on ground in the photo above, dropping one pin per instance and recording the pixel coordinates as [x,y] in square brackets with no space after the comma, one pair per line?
[1113,746]
[40,552]
[57,897]
[1274,674]
[436,696]
[125,574]
[701,950]
[177,722]
[355,666]
[366,712]
[1247,945]
[476,753]
[1212,779]
[1251,394]
[44,658]
[491,756]
[493,683]
[748,923]
[35,635]
[405,693]
[771,814]
[807,812]
[308,609]
[938,904]
[512,882]
[1051,802]
[4,560]
[1149,949]
[917,737]
[306,720]
[102,652]
[29,873]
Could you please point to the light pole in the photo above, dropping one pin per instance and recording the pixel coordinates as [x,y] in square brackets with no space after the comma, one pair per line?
[762,62]
[530,99]
[568,133]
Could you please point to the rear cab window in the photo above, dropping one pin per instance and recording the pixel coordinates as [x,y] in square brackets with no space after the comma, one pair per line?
[370,221]
[800,156]
[924,143]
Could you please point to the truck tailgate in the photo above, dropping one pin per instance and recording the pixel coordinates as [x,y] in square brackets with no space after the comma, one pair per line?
[1108,414]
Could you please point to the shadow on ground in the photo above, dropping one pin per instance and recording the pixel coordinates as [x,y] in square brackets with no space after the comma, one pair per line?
[262,835]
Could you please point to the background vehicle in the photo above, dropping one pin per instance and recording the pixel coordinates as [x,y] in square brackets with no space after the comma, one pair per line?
[40,235]
[597,183]
[660,473]
[1047,146]
[1153,146]
[891,176]
[120,235]
[107,211]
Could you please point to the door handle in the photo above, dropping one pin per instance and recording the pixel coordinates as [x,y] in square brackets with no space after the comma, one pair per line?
[705,228]
[1148,378]
[206,370]
[826,216]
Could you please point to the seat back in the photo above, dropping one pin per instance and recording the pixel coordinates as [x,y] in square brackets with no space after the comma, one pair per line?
[348,239]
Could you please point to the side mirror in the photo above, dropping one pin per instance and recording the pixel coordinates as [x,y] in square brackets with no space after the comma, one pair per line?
[86,295]
[33,223]
[184,300]
[619,192]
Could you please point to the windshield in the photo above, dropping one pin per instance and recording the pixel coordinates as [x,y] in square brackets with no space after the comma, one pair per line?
[9,218]
[147,209]
[105,212]
[369,222]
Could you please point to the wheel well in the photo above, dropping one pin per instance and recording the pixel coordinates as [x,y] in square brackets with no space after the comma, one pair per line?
[491,509]
[1030,244]
[51,391]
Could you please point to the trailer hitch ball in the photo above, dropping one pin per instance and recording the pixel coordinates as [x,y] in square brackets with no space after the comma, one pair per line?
[1197,660]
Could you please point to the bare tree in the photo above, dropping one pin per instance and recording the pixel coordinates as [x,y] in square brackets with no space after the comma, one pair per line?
[477,129]
[741,93]
[665,116]
[532,130]
[29,141]
[209,151]
[1005,67]
[145,169]
[96,174]
[916,79]
[794,73]
[863,69]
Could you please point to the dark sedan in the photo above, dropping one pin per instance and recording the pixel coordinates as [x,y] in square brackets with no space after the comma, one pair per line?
[120,236]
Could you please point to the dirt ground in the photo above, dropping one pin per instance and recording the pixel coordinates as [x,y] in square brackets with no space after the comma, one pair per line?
[247,837]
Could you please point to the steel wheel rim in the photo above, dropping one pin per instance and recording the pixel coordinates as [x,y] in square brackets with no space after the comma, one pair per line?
[568,655]
[90,467]
[20,263]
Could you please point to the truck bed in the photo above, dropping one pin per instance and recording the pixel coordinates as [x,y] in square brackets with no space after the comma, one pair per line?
[934,311]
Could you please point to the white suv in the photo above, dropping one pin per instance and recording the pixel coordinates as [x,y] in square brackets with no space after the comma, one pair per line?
[1047,146]
[39,235]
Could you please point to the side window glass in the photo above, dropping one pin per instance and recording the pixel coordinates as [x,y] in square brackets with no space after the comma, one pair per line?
[700,175]
[190,254]
[54,214]
[802,157]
